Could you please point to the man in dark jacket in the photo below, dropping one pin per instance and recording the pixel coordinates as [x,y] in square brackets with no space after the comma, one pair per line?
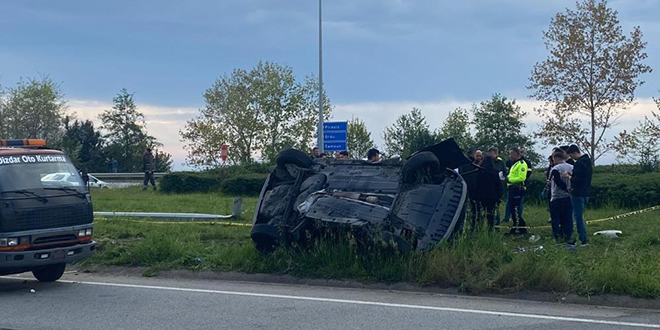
[470,175]
[502,172]
[149,166]
[490,190]
[580,185]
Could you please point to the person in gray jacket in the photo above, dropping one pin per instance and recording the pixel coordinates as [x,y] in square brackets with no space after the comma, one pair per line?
[561,209]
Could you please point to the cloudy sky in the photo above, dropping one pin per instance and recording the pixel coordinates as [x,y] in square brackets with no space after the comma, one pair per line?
[382,57]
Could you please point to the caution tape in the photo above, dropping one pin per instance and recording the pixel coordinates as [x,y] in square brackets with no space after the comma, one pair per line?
[616,217]
[238,224]
[212,223]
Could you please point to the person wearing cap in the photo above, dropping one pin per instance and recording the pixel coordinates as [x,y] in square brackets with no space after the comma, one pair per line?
[502,172]
[580,185]
[516,183]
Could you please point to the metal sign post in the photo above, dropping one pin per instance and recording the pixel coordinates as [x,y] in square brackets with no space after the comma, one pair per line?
[320,128]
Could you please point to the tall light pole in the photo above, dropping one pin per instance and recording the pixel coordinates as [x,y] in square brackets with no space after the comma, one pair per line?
[320,129]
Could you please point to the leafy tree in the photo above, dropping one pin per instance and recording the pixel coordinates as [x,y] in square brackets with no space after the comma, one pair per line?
[262,110]
[641,146]
[457,126]
[34,109]
[359,138]
[589,78]
[163,161]
[499,123]
[84,144]
[408,134]
[127,135]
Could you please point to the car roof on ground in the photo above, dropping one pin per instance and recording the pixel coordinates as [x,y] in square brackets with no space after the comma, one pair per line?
[28,151]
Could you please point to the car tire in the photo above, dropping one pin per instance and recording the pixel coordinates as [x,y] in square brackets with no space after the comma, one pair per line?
[295,157]
[265,237]
[50,273]
[417,164]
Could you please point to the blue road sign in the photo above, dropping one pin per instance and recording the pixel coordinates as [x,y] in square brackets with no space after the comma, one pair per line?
[335,136]
[329,136]
[335,126]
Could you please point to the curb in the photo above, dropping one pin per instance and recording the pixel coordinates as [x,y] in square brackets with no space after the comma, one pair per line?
[606,300]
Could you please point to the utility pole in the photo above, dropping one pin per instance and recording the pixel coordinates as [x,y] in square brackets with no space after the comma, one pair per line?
[320,128]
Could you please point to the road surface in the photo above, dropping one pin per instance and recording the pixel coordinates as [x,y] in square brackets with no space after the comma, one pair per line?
[88,301]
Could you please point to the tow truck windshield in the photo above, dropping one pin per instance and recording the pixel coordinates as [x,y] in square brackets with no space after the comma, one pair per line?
[24,176]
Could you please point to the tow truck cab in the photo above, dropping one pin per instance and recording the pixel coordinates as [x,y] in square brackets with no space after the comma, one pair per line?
[44,224]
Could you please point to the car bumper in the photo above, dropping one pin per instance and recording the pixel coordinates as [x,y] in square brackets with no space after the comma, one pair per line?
[26,260]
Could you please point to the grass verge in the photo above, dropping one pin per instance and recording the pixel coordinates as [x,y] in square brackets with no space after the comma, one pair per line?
[474,262]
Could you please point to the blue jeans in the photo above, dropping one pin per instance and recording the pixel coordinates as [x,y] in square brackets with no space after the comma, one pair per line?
[578,213]
[507,211]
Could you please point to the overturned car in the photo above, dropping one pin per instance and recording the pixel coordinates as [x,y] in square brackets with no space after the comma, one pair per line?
[415,203]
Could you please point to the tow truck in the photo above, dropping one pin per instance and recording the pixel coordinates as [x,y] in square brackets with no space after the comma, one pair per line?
[44,224]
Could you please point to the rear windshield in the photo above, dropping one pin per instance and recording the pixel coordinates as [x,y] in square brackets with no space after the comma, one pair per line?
[37,171]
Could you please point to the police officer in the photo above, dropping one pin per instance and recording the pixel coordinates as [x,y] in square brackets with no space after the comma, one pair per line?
[516,184]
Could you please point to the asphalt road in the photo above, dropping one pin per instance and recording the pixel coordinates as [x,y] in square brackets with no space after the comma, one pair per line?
[88,301]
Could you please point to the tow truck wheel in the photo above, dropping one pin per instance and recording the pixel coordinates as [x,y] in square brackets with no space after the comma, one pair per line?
[50,273]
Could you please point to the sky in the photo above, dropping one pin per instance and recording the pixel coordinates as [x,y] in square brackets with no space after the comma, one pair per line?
[381,57]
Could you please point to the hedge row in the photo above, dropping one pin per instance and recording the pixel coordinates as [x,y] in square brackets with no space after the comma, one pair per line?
[201,182]
[627,190]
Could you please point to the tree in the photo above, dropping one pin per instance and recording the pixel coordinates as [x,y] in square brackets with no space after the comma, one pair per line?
[163,161]
[641,146]
[126,132]
[457,126]
[262,110]
[408,134]
[34,109]
[359,138]
[499,123]
[589,78]
[84,144]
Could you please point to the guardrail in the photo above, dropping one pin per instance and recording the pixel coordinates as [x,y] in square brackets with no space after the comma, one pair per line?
[125,176]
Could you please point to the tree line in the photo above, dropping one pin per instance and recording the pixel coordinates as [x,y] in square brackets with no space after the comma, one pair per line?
[37,109]
[585,84]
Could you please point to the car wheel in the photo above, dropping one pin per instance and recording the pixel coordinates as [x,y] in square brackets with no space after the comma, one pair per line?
[420,166]
[50,273]
[293,156]
[265,237]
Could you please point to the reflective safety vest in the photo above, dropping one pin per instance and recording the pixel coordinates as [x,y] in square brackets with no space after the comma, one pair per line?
[518,173]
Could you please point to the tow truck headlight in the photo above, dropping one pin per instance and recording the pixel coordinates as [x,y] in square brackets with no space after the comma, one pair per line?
[12,241]
[85,232]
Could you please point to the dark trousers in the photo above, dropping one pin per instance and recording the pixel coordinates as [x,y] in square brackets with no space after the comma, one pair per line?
[149,178]
[516,195]
[490,206]
[561,213]
[475,212]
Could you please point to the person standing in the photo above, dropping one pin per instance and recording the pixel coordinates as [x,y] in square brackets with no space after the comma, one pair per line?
[509,164]
[516,184]
[114,165]
[471,177]
[502,172]
[316,153]
[490,190]
[149,166]
[373,156]
[561,209]
[580,186]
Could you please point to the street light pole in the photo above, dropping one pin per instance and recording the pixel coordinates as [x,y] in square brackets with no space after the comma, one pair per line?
[320,128]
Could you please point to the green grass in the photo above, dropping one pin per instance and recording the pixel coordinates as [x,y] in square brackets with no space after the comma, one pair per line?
[474,262]
[133,199]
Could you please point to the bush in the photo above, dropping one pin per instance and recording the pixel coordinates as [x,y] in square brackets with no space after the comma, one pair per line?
[189,182]
[244,185]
